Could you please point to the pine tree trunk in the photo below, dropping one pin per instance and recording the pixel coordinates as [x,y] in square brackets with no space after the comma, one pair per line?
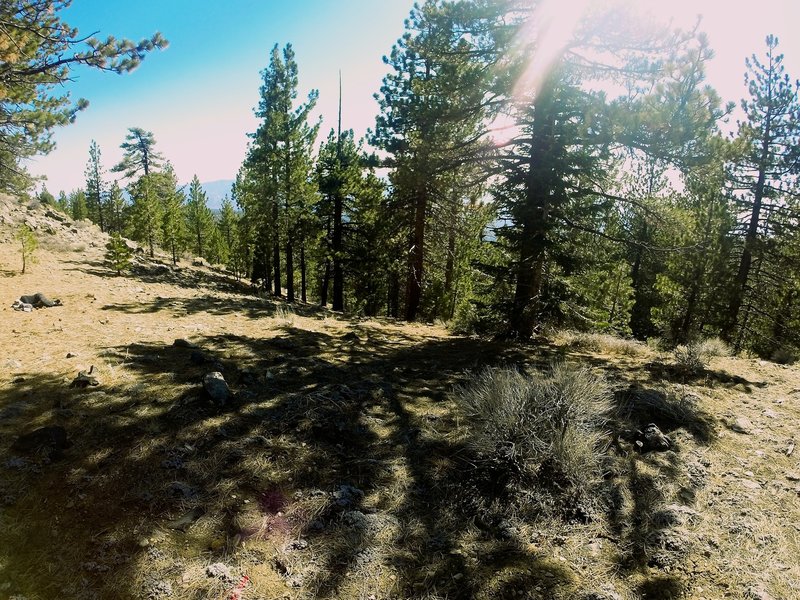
[326,279]
[416,255]
[303,273]
[742,276]
[289,270]
[393,296]
[534,220]
[276,251]
[338,275]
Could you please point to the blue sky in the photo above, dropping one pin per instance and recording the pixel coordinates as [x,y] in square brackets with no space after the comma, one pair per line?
[197,96]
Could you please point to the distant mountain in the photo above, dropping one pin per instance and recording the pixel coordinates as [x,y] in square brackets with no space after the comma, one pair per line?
[216,191]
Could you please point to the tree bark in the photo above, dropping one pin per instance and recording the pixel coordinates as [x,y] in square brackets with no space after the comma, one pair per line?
[416,255]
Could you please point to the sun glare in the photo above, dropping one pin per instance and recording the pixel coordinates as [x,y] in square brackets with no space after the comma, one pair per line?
[550,29]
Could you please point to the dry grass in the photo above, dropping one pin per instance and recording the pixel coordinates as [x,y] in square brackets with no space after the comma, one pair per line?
[601,342]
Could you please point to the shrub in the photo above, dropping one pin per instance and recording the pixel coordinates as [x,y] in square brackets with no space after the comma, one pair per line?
[714,347]
[689,358]
[541,430]
[602,342]
[464,320]
[783,356]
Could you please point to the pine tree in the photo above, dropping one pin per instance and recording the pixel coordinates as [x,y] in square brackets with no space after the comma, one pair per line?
[77,205]
[279,164]
[769,139]
[28,245]
[431,117]
[140,156]
[118,254]
[95,200]
[173,226]
[199,219]
[146,212]
[39,51]
[116,209]
[228,228]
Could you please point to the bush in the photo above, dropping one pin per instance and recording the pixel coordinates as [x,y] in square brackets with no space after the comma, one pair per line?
[602,342]
[689,358]
[541,430]
[464,320]
[714,347]
[783,356]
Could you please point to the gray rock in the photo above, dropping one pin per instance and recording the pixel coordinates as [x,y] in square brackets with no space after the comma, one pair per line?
[216,387]
[181,343]
[742,425]
[219,571]
[652,439]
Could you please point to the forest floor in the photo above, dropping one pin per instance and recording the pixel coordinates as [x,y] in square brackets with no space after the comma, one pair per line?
[332,470]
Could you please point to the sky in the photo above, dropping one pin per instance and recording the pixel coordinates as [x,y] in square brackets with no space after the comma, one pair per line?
[198,95]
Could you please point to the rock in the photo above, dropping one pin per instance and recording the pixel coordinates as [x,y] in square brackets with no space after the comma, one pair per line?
[200,262]
[757,592]
[181,343]
[351,337]
[771,414]
[84,379]
[219,571]
[651,439]
[52,440]
[183,522]
[216,387]
[347,496]
[197,357]
[71,355]
[793,476]
[742,425]
[750,484]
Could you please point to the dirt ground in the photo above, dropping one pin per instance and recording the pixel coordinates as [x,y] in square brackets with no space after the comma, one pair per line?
[332,469]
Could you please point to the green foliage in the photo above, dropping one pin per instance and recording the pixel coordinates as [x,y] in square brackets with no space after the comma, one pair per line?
[95,195]
[199,220]
[77,205]
[117,207]
[146,211]
[278,172]
[46,198]
[118,254]
[140,156]
[28,245]
[173,228]
[38,52]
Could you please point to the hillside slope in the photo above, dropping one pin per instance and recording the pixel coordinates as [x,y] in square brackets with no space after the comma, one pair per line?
[338,465]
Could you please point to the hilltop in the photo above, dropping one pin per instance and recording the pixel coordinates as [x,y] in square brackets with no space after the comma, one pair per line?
[339,464]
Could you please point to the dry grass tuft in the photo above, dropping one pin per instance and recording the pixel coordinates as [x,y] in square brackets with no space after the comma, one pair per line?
[601,342]
[542,429]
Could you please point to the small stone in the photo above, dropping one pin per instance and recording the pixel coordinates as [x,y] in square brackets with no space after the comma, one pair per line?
[219,571]
[742,425]
[793,476]
[216,387]
[771,414]
[750,484]
[181,343]
[71,355]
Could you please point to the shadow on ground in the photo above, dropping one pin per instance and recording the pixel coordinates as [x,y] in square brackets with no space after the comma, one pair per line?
[333,465]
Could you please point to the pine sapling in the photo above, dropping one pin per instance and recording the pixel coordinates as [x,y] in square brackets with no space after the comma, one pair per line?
[28,243]
[118,255]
